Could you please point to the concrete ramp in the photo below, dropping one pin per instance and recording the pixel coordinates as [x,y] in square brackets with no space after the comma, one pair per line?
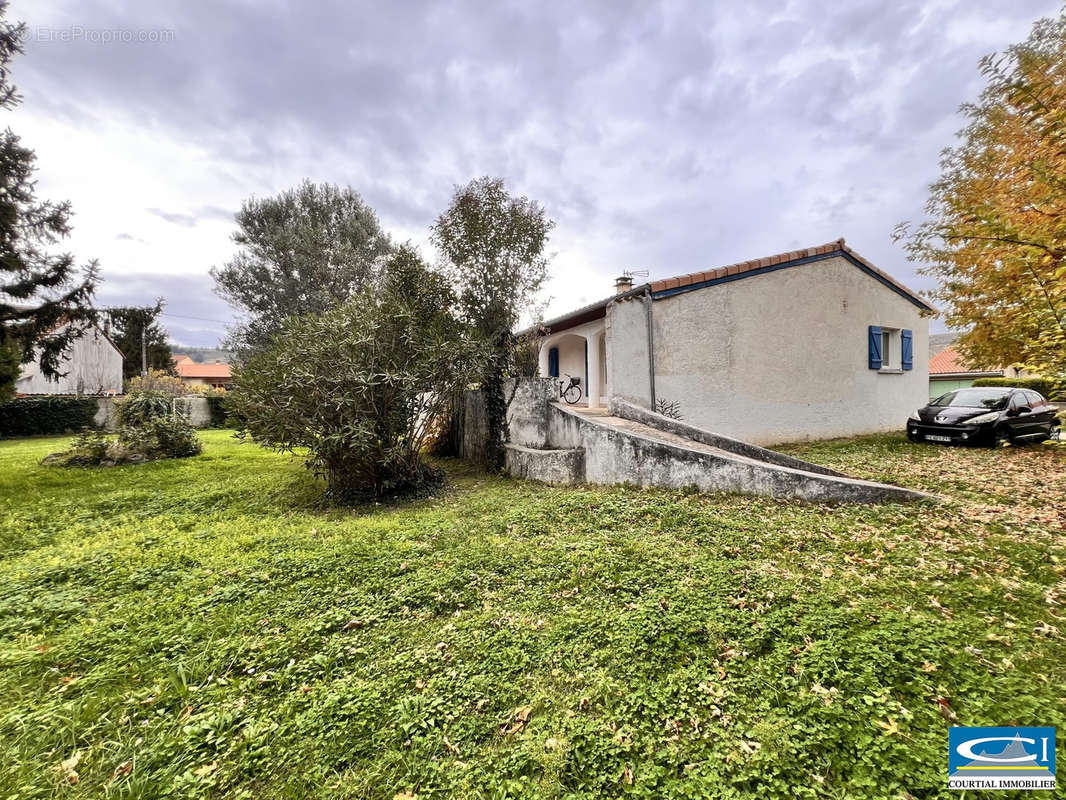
[627,444]
[630,445]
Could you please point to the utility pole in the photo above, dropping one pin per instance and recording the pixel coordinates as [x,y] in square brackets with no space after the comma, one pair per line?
[144,346]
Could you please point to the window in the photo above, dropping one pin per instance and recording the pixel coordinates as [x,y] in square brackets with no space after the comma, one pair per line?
[1019,401]
[890,349]
[1034,398]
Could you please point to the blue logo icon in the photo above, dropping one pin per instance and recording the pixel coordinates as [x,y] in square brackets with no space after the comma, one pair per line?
[1001,758]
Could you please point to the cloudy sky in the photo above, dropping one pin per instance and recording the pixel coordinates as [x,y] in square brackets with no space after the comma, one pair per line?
[666,136]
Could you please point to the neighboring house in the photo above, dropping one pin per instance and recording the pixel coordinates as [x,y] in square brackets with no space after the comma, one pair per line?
[92,365]
[192,373]
[810,344]
[948,371]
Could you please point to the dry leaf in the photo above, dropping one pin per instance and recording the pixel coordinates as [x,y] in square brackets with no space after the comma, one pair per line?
[891,728]
[518,720]
[121,771]
[205,769]
[67,765]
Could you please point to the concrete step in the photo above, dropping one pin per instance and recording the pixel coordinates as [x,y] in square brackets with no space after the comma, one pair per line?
[561,467]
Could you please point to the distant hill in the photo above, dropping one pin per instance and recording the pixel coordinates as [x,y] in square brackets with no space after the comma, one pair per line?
[203,355]
[939,342]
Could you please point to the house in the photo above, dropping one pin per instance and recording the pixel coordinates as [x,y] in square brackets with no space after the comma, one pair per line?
[91,365]
[809,344]
[192,373]
[948,370]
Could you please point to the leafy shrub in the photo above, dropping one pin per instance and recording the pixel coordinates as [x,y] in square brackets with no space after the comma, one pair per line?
[169,436]
[218,408]
[89,449]
[42,416]
[1049,388]
[142,406]
[362,386]
[158,381]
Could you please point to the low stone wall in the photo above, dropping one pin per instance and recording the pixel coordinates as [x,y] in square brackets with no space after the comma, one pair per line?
[196,410]
[106,418]
[527,417]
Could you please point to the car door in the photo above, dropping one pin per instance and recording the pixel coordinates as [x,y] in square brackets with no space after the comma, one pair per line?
[1019,415]
[1041,414]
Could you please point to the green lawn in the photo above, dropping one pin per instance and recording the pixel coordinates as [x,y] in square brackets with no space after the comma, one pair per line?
[198,628]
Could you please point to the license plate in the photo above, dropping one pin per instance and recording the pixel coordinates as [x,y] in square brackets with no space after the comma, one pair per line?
[933,438]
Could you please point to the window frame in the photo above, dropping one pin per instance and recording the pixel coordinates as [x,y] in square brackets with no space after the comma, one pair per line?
[891,350]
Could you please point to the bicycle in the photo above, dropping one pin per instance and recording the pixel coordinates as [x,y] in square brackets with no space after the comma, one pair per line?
[571,393]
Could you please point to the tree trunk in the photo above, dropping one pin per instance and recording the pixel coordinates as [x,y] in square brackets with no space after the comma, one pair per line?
[495,416]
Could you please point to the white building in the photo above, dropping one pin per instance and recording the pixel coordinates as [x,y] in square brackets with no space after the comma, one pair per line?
[92,365]
[810,344]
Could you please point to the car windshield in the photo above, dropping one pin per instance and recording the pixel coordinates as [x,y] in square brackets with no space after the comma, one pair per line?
[995,399]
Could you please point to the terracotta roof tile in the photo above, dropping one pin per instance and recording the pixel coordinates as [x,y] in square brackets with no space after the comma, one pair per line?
[949,361]
[191,369]
[770,261]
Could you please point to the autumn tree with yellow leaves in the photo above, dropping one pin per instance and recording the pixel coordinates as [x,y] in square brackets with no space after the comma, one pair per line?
[995,231]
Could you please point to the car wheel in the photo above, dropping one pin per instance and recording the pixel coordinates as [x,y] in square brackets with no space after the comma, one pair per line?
[1002,438]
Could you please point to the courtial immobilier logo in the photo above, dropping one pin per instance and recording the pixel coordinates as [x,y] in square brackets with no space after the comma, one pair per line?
[1001,758]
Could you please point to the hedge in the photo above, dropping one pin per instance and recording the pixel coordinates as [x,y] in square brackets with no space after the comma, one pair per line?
[1047,387]
[216,406]
[42,416]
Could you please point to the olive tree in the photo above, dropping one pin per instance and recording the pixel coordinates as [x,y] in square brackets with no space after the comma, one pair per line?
[363,386]
[493,247]
[303,251]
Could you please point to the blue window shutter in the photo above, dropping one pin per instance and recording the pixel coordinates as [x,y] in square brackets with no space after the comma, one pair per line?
[875,347]
[553,362]
[907,357]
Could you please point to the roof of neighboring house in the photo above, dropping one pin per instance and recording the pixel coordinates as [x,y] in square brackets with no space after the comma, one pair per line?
[187,368]
[949,362]
[744,269]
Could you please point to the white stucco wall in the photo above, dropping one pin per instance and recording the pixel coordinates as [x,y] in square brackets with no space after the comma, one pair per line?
[572,357]
[92,366]
[627,351]
[783,356]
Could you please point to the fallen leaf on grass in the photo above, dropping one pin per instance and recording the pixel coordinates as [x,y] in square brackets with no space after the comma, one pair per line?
[518,720]
[891,727]
[205,769]
[944,707]
[66,767]
[353,624]
[121,771]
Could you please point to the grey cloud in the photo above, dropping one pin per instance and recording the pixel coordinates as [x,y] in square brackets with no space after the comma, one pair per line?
[683,134]
[193,218]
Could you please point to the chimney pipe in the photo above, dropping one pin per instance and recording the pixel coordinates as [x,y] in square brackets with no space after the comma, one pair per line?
[623,283]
